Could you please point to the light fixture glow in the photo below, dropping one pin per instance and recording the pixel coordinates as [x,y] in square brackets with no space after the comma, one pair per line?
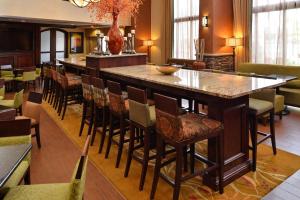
[205,21]
[234,42]
[148,43]
[80,3]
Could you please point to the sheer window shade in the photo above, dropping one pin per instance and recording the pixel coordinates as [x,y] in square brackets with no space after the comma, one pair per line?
[276,32]
[185,28]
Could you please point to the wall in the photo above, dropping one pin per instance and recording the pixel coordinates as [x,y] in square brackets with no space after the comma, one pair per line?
[220,14]
[48,9]
[158,31]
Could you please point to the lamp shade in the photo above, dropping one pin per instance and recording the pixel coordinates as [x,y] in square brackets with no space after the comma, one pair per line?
[234,42]
[148,43]
[80,3]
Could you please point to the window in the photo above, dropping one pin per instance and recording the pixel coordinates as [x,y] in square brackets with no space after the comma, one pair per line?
[276,32]
[53,45]
[185,28]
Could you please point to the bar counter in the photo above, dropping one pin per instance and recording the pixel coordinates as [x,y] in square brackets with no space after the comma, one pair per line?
[227,97]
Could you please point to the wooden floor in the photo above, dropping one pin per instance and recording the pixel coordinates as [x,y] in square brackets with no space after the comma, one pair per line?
[55,161]
[289,189]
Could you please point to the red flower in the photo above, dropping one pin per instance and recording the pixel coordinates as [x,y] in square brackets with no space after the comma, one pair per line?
[107,8]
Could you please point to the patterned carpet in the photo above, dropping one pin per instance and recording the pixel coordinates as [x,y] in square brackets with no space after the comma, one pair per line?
[271,170]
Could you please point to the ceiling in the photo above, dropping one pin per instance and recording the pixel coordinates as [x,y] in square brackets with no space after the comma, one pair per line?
[50,22]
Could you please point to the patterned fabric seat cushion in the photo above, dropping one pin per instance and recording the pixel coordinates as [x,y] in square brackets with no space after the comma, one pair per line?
[18,175]
[260,106]
[118,103]
[61,191]
[185,127]
[193,126]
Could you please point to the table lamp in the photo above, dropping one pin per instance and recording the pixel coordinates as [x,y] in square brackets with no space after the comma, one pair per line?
[234,42]
[148,44]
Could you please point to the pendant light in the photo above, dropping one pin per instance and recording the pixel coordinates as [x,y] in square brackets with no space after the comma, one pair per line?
[83,3]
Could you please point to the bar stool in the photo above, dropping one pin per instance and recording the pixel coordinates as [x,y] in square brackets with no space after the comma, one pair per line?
[142,117]
[47,82]
[101,110]
[118,111]
[70,90]
[184,130]
[88,103]
[261,104]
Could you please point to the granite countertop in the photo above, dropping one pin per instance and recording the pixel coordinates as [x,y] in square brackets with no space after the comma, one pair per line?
[227,86]
[79,61]
[119,55]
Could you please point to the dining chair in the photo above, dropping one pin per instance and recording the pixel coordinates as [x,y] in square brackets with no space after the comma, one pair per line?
[141,119]
[15,103]
[180,131]
[118,113]
[73,190]
[2,89]
[101,110]
[88,104]
[261,104]
[13,132]
[32,111]
[8,77]
[28,77]
[70,93]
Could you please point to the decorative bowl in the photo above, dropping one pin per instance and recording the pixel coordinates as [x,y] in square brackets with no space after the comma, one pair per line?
[168,69]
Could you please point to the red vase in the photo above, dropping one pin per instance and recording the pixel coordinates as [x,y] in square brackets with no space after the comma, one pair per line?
[116,41]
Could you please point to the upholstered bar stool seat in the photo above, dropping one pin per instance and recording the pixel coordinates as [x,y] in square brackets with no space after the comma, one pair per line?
[142,121]
[260,106]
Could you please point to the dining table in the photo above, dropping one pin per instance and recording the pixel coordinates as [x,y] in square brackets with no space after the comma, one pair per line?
[10,158]
[227,97]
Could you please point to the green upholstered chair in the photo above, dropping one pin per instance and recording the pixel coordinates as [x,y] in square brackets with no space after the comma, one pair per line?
[2,89]
[58,191]
[290,91]
[261,104]
[15,103]
[13,132]
[27,78]
[142,117]
[32,111]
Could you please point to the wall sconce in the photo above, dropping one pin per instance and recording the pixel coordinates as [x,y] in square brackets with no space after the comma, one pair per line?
[205,21]
[234,42]
[148,44]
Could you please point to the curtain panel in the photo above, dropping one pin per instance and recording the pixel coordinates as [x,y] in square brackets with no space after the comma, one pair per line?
[242,10]
[276,32]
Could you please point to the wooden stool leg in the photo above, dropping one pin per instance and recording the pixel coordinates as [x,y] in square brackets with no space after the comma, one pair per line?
[145,159]
[272,130]
[110,137]
[176,192]
[221,162]
[84,110]
[37,135]
[254,142]
[192,158]
[121,141]
[65,105]
[185,159]
[27,179]
[104,127]
[91,104]
[130,150]
[159,150]
[96,124]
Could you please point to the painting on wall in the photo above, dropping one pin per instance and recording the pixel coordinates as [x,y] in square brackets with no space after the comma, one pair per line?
[76,42]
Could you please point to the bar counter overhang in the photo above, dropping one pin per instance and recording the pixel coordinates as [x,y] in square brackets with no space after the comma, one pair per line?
[226,95]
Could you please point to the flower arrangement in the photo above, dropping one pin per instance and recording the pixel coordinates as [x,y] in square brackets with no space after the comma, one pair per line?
[105,9]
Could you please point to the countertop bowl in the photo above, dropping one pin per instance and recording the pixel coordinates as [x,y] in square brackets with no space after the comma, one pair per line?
[168,69]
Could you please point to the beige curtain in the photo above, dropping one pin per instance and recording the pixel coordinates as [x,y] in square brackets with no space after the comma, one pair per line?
[242,10]
[168,29]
